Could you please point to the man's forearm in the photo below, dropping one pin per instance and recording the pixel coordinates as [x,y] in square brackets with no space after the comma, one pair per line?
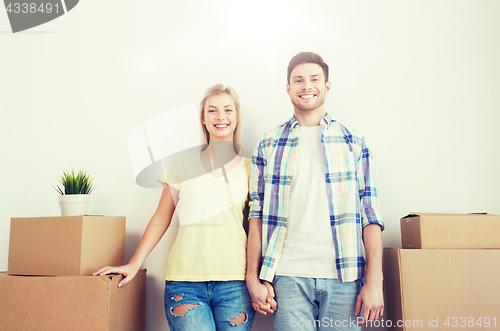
[371,297]
[372,238]
[254,247]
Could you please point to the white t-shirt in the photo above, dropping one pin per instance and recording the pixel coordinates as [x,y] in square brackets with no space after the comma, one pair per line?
[308,250]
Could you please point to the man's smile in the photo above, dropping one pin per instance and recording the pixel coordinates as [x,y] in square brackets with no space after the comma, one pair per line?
[307,96]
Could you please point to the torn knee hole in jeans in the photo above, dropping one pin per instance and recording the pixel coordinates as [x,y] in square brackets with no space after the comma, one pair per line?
[181,310]
[240,319]
[177,297]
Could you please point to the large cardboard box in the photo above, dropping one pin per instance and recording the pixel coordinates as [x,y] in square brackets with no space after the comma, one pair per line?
[437,289]
[74,303]
[426,230]
[65,246]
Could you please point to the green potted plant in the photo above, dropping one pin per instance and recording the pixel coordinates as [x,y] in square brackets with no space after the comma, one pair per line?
[74,196]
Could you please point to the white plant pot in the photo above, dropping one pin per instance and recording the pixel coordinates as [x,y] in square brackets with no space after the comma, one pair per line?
[74,204]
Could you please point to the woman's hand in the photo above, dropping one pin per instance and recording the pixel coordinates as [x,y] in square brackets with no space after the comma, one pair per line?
[262,295]
[128,271]
[157,226]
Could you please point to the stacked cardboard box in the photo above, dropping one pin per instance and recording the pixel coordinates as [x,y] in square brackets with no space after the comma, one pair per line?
[450,280]
[72,303]
[450,231]
[65,246]
[49,285]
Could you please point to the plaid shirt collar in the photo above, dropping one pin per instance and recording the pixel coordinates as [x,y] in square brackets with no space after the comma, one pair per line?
[325,121]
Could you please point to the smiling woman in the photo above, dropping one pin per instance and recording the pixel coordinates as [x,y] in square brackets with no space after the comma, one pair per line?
[205,274]
[220,115]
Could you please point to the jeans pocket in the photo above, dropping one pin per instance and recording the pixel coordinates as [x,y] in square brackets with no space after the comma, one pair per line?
[360,283]
[275,280]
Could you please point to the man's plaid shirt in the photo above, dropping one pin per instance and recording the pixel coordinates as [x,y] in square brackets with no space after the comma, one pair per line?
[350,186]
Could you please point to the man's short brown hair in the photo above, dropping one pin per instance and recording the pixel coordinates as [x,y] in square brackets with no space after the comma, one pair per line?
[306,57]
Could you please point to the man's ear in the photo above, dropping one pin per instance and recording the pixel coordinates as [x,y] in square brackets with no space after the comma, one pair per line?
[328,86]
[288,89]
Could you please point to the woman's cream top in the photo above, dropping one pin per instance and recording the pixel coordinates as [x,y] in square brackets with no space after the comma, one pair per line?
[210,242]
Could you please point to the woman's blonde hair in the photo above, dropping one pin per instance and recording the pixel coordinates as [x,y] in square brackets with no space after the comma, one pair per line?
[219,89]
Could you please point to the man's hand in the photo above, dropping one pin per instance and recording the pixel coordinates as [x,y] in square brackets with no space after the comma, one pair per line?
[371,298]
[262,295]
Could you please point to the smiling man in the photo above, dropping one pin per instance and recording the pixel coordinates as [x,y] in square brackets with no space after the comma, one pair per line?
[313,209]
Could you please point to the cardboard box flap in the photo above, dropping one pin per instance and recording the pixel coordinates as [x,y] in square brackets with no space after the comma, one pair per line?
[410,215]
[422,214]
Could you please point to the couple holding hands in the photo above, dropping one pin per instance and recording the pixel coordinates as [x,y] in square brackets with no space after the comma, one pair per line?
[313,208]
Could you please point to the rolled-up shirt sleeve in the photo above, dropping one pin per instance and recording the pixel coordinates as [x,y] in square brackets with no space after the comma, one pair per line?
[257,181]
[370,212]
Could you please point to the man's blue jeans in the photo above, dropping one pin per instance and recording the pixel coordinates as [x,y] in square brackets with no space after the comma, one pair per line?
[208,306]
[315,304]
